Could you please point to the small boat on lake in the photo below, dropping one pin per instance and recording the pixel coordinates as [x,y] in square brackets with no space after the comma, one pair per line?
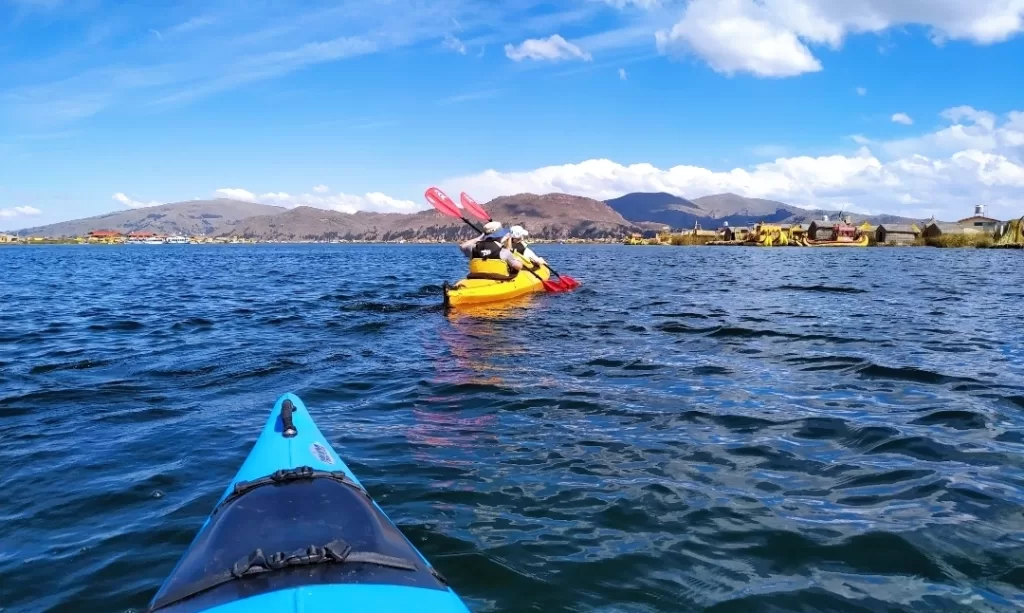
[177,240]
[844,234]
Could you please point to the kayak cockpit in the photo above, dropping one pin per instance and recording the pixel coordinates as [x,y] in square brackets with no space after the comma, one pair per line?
[294,528]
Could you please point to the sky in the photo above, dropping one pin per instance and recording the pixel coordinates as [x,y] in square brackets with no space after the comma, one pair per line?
[910,107]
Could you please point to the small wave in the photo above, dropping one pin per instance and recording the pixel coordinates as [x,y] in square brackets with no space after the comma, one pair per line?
[909,373]
[132,416]
[924,448]
[427,291]
[958,420]
[183,372]
[382,307]
[126,325]
[338,297]
[79,365]
[709,370]
[824,288]
[277,321]
[925,490]
[890,477]
[683,314]
[1016,400]
[193,322]
[681,328]
[368,327]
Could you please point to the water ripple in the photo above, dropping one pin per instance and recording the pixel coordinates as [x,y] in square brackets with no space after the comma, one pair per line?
[706,429]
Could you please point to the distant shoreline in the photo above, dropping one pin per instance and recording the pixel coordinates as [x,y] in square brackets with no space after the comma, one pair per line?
[576,242]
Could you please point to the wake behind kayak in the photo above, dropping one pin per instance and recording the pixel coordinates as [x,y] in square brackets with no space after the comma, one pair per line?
[296,531]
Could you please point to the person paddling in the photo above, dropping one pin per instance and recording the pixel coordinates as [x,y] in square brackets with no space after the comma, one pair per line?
[518,233]
[489,255]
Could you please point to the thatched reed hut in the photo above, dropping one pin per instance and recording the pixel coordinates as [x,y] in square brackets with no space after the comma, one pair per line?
[896,234]
[936,229]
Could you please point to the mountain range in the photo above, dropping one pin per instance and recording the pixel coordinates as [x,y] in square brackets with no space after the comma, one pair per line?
[549,216]
[713,211]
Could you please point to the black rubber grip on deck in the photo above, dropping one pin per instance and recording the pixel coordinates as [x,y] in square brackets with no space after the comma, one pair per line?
[286,418]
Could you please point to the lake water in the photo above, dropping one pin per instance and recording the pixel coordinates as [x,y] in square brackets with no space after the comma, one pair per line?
[719,429]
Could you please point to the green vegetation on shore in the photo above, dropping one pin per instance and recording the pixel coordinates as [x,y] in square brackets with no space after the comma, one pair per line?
[952,241]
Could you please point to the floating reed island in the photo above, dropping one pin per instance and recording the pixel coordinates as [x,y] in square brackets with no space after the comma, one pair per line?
[976,231]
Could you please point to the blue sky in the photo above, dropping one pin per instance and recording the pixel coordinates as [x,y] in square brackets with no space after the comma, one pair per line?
[873,105]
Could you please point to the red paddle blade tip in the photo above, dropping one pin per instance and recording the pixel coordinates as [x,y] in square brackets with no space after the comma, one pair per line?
[475,209]
[440,201]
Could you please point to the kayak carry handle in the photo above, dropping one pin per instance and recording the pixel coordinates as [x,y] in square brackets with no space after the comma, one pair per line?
[286,418]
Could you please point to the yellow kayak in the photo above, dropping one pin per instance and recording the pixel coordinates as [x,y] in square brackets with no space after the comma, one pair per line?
[480,291]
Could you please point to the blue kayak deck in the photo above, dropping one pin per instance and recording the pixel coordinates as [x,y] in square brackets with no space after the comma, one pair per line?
[296,531]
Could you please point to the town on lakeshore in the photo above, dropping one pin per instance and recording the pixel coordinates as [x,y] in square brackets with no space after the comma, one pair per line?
[978,230]
[633,219]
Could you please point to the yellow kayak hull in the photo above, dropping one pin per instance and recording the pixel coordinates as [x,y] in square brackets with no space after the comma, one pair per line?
[482,291]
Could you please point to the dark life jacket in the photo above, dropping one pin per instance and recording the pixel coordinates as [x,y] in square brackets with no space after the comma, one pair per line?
[485,262]
[487,249]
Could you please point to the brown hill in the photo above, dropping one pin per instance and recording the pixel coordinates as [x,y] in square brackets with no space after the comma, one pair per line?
[550,216]
[192,217]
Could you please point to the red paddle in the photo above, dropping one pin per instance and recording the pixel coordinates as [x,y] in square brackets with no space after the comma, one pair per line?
[440,201]
[475,209]
[479,212]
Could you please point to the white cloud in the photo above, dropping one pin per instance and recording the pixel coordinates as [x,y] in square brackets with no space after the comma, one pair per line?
[18,211]
[738,36]
[235,193]
[553,48]
[456,45]
[862,91]
[983,118]
[341,202]
[902,118]
[321,189]
[133,204]
[622,74]
[916,184]
[970,129]
[773,38]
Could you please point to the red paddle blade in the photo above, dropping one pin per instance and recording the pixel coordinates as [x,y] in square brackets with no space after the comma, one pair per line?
[474,209]
[550,286]
[570,282]
[440,201]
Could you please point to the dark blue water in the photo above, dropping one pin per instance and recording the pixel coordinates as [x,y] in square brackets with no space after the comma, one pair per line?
[719,429]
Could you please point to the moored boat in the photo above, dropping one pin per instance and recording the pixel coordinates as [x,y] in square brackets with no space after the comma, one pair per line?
[861,241]
[844,234]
